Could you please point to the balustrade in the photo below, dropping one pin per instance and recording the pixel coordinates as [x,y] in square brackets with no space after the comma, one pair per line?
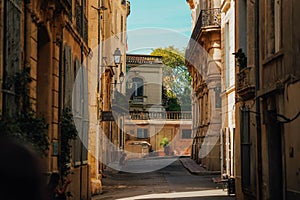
[185,115]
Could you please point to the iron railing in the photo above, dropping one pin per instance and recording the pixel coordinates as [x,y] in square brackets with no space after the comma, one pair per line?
[245,83]
[138,99]
[207,18]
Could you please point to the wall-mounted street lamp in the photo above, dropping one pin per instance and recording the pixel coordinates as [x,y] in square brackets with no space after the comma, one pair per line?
[117,58]
[121,77]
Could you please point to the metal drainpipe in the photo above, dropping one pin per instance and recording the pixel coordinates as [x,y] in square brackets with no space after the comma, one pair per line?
[81,61]
[60,85]
[258,117]
[81,143]
[98,90]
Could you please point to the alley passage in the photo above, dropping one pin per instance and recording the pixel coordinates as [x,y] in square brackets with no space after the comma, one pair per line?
[171,182]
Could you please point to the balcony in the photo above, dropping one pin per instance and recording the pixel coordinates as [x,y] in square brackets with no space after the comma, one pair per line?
[138,100]
[143,59]
[171,115]
[208,19]
[246,83]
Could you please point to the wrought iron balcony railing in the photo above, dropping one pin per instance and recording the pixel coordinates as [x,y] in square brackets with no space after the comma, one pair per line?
[207,18]
[171,115]
[138,100]
[246,83]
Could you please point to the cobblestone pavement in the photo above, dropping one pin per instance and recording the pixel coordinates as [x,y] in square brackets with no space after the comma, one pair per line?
[171,182]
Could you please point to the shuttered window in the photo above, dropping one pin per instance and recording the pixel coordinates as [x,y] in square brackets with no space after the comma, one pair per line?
[81,114]
[245,148]
[12,63]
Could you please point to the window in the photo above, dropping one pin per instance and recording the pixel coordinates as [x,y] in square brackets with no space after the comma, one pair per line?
[142,133]
[277,21]
[68,76]
[186,134]
[81,114]
[227,49]
[138,86]
[273,26]
[218,100]
[245,148]
[122,29]
[13,15]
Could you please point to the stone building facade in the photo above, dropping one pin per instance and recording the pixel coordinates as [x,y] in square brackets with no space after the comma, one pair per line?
[146,119]
[228,86]
[59,41]
[113,37]
[50,37]
[267,110]
[107,32]
[203,58]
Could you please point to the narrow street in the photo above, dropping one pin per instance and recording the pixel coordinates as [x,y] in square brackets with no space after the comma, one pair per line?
[171,182]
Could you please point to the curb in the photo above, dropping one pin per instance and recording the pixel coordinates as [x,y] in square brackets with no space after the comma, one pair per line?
[199,172]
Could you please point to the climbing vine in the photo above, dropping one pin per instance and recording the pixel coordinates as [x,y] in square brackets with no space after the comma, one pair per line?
[24,125]
[68,133]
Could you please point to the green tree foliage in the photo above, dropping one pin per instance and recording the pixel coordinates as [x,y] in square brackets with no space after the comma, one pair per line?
[176,79]
[170,101]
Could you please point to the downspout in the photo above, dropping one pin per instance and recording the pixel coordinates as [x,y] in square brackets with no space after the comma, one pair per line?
[257,87]
[81,65]
[60,85]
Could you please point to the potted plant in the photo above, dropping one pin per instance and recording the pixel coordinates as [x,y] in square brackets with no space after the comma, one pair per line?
[166,144]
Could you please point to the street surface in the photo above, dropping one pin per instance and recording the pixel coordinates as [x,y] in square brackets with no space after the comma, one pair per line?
[171,182]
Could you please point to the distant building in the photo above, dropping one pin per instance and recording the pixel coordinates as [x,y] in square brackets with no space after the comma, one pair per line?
[147,121]
[144,82]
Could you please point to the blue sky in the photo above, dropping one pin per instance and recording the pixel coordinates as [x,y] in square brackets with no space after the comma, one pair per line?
[158,23]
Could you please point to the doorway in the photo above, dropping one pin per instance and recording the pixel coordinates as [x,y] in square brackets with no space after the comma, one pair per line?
[274,135]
